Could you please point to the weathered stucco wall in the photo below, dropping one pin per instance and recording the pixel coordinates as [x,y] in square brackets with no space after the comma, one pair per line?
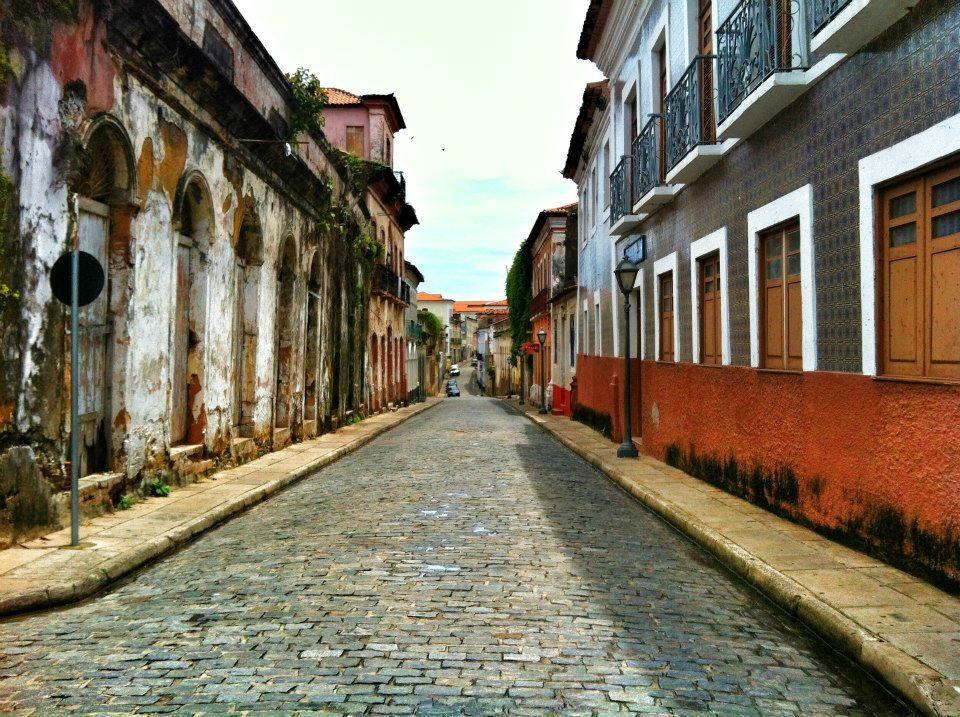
[202,245]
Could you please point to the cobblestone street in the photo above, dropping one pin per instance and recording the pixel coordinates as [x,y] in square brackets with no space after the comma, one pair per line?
[464,562]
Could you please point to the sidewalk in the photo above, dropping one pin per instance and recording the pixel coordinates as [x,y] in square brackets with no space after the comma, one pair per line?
[48,572]
[897,626]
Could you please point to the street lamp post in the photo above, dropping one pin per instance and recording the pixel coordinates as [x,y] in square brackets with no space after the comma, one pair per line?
[626,273]
[520,358]
[542,337]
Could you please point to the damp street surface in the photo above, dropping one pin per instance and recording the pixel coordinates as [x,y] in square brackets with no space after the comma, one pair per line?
[463,563]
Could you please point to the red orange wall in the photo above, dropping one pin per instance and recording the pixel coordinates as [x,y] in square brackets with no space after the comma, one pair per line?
[871,441]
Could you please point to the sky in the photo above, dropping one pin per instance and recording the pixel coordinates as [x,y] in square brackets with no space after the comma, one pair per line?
[489,92]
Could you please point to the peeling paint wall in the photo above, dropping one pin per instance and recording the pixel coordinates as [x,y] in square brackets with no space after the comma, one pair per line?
[88,143]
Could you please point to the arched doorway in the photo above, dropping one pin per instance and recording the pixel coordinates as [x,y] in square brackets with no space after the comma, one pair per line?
[248,251]
[311,363]
[103,180]
[374,373]
[388,373]
[286,277]
[194,233]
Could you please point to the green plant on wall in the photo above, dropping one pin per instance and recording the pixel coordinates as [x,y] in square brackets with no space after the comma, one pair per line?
[431,323]
[519,297]
[309,101]
[7,294]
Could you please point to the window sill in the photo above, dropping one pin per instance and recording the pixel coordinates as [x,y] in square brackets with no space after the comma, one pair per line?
[788,371]
[919,379]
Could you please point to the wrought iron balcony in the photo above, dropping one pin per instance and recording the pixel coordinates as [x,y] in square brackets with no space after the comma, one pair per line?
[385,281]
[759,38]
[823,11]
[690,110]
[414,331]
[621,194]
[647,169]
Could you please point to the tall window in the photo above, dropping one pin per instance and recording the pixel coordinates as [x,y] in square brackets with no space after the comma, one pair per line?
[355,145]
[920,254]
[593,194]
[607,169]
[666,316]
[781,306]
[709,308]
[662,106]
[597,346]
[573,351]
[584,335]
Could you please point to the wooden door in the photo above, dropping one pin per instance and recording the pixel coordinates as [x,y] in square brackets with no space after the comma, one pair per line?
[181,340]
[782,306]
[666,316]
[942,285]
[709,290]
[902,208]
[91,371]
[705,47]
[662,109]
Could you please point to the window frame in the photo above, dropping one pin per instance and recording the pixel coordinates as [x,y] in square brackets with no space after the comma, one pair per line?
[921,184]
[714,243]
[363,139]
[796,204]
[779,233]
[661,266]
[934,144]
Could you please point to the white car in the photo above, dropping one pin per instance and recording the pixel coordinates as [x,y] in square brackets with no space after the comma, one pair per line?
[454,370]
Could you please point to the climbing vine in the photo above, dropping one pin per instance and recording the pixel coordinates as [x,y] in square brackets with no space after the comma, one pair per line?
[431,323]
[7,294]
[309,101]
[519,297]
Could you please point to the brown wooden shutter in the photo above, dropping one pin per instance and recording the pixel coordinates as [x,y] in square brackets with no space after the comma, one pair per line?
[662,109]
[666,316]
[781,303]
[902,209]
[355,144]
[942,280]
[709,278]
[705,25]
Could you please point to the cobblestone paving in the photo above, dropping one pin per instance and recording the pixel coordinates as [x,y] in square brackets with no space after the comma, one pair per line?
[463,563]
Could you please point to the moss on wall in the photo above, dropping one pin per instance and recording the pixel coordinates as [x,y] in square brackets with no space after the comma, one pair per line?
[878,529]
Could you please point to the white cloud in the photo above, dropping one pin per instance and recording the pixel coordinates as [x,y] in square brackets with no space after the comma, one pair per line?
[489,92]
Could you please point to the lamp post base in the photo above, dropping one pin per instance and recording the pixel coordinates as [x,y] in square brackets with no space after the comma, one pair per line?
[627,449]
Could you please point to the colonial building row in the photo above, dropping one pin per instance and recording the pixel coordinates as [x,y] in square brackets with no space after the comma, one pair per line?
[253,271]
[792,171]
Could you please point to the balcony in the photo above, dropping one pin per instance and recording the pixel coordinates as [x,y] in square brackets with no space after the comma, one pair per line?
[564,268]
[649,189]
[691,144]
[540,303]
[414,331]
[622,218]
[844,26]
[762,58]
[385,282]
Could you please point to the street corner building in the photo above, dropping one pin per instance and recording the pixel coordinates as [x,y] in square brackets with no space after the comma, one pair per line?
[363,128]
[792,171]
[239,250]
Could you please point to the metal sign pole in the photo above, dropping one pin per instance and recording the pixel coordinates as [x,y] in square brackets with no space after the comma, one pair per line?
[74,396]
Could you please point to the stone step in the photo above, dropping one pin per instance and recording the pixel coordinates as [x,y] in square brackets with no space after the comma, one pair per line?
[243,449]
[98,493]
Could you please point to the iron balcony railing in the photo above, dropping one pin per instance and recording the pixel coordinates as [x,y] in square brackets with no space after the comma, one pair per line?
[414,331]
[647,172]
[823,11]
[621,194]
[759,38]
[385,281]
[690,110]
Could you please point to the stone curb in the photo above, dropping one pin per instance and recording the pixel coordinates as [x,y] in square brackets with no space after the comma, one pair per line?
[79,587]
[924,688]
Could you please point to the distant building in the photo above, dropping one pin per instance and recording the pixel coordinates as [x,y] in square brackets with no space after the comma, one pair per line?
[443,308]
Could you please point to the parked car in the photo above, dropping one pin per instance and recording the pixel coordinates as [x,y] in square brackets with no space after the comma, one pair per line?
[454,370]
[453,389]
[473,362]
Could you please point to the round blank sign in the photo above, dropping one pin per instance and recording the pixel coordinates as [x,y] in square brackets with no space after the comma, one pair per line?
[90,283]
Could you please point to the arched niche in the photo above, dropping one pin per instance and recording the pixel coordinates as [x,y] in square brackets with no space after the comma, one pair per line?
[311,353]
[248,254]
[286,284]
[103,179]
[193,222]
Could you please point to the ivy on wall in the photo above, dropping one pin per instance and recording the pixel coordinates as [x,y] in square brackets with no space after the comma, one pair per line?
[309,101]
[519,297]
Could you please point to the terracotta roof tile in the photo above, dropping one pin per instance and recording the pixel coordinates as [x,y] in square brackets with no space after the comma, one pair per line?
[425,296]
[342,97]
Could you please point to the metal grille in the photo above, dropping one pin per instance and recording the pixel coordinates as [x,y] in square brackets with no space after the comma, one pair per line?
[621,196]
[823,11]
[686,111]
[759,38]
[646,157]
